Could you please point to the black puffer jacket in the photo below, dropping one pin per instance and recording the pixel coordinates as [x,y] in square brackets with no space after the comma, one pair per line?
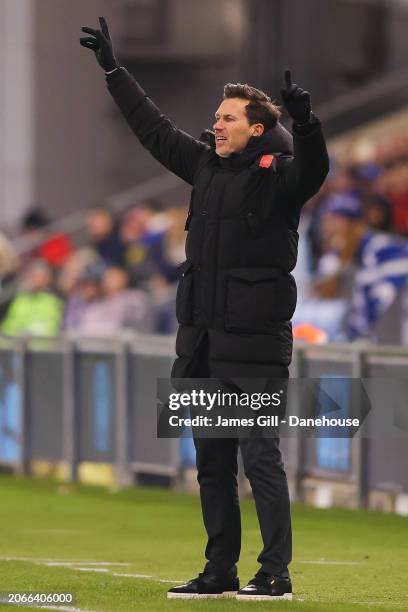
[242,233]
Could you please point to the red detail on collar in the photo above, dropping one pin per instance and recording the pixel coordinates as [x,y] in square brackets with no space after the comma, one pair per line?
[266,161]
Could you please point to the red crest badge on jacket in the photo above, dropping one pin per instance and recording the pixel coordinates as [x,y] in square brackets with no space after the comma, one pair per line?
[266,161]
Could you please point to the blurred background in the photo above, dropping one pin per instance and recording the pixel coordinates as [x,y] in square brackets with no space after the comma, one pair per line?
[92,227]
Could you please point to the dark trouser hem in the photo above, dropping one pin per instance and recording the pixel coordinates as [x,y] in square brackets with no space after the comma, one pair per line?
[273,572]
[211,568]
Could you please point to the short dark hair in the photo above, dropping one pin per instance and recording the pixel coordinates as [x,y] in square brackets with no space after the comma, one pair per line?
[260,108]
[35,218]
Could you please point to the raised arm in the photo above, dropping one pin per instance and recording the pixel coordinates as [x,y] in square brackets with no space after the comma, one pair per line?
[173,148]
[303,175]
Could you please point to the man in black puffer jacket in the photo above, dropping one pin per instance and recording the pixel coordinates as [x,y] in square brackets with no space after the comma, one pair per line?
[236,295]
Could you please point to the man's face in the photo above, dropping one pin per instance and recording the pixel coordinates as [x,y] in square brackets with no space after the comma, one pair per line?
[232,130]
[334,231]
[99,224]
[38,278]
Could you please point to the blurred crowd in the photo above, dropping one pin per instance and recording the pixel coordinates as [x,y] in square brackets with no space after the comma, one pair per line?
[353,260]
[122,275]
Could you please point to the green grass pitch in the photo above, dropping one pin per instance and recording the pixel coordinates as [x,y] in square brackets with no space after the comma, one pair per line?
[343,560]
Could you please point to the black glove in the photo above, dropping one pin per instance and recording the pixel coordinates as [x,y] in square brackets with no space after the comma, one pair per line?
[100,42]
[296,100]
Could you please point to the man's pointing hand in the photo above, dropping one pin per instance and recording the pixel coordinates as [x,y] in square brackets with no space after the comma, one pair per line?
[296,100]
[100,42]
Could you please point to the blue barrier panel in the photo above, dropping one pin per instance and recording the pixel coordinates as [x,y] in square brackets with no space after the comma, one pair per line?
[10,410]
[95,405]
[101,404]
[327,454]
[187,450]
[334,453]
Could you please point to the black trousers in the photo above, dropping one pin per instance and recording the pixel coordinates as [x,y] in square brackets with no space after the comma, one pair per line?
[217,475]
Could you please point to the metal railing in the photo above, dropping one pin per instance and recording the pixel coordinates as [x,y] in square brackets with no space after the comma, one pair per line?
[71,400]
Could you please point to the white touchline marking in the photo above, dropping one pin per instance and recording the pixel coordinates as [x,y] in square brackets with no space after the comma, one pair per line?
[78,566]
[90,569]
[167,581]
[122,575]
[131,575]
[323,562]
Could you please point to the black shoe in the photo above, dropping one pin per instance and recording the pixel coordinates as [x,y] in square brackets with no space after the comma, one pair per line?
[206,586]
[266,588]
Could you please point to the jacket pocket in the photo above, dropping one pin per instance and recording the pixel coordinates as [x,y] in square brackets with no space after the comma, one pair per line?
[258,298]
[184,297]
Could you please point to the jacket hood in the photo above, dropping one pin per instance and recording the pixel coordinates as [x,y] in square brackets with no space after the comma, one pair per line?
[276,140]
